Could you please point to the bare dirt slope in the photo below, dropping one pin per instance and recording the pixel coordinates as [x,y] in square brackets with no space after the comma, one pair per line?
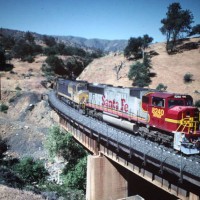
[169,69]
[28,118]
[25,75]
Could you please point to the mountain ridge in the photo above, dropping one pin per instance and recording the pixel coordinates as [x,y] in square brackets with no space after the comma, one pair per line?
[94,43]
[102,44]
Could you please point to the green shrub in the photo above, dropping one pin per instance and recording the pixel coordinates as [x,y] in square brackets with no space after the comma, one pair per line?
[3,108]
[161,87]
[29,59]
[47,70]
[62,143]
[76,177]
[31,171]
[139,72]
[18,94]
[12,99]
[187,77]
[18,88]
[197,103]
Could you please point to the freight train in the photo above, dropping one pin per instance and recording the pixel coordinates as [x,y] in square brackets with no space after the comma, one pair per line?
[167,118]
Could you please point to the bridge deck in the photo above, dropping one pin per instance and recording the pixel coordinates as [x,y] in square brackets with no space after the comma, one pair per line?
[184,168]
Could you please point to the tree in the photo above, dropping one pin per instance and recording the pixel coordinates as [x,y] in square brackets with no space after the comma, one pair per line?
[74,66]
[49,40]
[133,48]
[2,59]
[137,46]
[176,24]
[146,40]
[3,148]
[117,69]
[140,72]
[56,64]
[29,37]
[22,49]
[60,47]
[7,42]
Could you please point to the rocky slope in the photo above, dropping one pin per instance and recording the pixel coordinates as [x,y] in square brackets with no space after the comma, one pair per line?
[28,117]
[26,123]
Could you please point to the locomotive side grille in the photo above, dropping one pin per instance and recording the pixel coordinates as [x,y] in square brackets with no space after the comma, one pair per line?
[135,93]
[97,90]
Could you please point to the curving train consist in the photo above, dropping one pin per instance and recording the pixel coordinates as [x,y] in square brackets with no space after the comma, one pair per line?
[160,116]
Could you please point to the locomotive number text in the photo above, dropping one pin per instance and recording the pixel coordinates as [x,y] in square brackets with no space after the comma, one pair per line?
[158,113]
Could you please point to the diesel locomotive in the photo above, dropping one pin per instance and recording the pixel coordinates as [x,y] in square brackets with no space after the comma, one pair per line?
[164,117]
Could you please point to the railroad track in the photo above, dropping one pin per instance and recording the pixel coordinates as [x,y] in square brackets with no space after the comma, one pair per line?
[167,159]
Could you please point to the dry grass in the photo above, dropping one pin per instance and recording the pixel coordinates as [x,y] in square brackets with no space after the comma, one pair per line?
[7,193]
[20,78]
[169,69]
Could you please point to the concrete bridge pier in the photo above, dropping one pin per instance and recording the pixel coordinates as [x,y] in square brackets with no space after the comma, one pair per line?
[104,179]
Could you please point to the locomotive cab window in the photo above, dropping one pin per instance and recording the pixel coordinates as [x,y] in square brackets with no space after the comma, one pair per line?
[81,87]
[158,102]
[189,102]
[175,102]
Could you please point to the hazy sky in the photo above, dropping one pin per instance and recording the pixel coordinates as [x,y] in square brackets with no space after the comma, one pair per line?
[104,19]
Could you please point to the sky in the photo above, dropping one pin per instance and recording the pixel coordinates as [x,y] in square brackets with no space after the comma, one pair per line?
[103,19]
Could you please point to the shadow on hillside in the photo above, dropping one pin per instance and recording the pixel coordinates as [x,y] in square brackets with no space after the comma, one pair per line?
[7,67]
[184,45]
[153,53]
[152,74]
[188,46]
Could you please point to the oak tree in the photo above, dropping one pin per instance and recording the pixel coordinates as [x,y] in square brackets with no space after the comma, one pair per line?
[176,24]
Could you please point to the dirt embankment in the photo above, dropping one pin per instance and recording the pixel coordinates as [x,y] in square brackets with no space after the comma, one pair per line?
[26,123]
[28,118]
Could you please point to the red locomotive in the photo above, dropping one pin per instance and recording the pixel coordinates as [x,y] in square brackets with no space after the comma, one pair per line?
[161,116]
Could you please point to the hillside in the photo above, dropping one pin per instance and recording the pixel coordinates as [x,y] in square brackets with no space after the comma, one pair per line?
[169,69]
[26,129]
[19,90]
[26,123]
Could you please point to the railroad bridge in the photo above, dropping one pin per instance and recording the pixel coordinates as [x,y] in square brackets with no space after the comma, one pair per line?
[122,165]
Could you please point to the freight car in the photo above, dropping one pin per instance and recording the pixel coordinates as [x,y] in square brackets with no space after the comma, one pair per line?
[164,117]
